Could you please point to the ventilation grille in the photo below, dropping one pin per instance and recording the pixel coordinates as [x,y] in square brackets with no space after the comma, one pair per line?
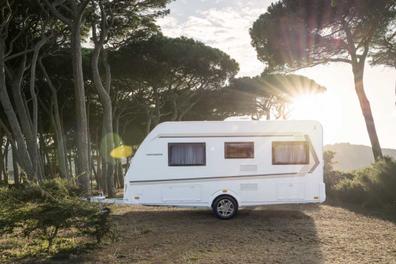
[248,168]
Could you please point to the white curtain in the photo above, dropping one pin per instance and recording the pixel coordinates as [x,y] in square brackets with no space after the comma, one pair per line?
[290,153]
[187,154]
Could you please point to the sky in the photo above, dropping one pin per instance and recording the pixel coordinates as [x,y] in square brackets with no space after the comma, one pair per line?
[224,24]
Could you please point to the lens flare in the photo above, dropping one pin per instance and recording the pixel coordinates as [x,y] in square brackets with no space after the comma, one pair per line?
[122,151]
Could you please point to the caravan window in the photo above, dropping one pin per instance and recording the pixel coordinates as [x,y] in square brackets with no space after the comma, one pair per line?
[239,150]
[186,154]
[290,152]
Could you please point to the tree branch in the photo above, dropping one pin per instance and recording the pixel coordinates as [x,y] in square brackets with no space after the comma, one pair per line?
[350,43]
[56,13]
[13,56]
[340,60]
[4,25]
[82,7]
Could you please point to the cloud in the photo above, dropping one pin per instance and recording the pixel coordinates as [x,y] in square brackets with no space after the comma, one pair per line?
[222,27]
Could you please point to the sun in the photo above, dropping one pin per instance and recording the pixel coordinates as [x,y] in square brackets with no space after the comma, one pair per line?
[324,108]
[308,106]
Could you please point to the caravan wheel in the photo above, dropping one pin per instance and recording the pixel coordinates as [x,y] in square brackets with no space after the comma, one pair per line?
[225,207]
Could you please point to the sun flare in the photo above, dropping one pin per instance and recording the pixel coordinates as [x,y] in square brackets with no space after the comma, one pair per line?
[307,106]
[319,107]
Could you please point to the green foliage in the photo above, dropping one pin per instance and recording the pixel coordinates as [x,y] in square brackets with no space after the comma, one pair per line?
[126,18]
[372,187]
[159,60]
[385,47]
[384,44]
[265,95]
[164,78]
[98,225]
[331,176]
[302,33]
[43,212]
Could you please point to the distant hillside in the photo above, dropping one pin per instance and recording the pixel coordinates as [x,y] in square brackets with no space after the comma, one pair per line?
[349,157]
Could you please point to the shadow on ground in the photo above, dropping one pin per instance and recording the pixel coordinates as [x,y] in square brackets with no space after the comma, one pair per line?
[181,236]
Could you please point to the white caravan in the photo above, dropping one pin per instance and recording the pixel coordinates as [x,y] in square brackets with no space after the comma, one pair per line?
[224,165]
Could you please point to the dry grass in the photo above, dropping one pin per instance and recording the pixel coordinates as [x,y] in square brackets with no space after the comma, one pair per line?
[18,248]
[287,234]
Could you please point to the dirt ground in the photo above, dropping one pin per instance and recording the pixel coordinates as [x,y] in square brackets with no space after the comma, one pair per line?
[281,234]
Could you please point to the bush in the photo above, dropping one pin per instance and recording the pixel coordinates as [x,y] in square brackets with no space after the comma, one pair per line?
[46,210]
[331,176]
[372,187]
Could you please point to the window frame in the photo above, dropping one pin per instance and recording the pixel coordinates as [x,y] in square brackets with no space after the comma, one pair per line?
[306,147]
[238,142]
[186,143]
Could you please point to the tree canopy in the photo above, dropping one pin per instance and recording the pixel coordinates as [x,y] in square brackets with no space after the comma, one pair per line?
[384,46]
[294,34]
[169,76]
[267,95]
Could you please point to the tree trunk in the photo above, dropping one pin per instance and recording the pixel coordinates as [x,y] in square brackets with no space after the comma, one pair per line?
[84,170]
[22,111]
[70,163]
[25,121]
[57,124]
[89,144]
[99,182]
[157,117]
[37,162]
[96,170]
[48,169]
[107,117]
[149,120]
[120,175]
[75,163]
[175,110]
[103,145]
[358,71]
[17,180]
[16,130]
[104,169]
[60,145]
[116,179]
[1,155]
[6,149]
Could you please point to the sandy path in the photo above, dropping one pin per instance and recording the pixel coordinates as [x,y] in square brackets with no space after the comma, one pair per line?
[286,234]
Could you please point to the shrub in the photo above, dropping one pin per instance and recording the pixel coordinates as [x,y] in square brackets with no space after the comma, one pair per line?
[331,176]
[98,225]
[372,187]
[42,211]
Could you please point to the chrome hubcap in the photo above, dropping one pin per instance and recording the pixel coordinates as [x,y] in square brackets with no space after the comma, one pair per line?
[225,207]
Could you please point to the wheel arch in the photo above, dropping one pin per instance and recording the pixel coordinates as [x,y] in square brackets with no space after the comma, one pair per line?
[218,194]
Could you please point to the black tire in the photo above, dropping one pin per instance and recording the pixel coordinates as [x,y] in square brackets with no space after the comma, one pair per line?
[225,207]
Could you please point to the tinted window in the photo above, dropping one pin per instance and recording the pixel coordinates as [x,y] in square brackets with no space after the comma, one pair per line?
[290,152]
[238,150]
[186,154]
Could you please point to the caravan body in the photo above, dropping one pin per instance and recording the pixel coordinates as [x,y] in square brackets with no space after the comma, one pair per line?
[254,162]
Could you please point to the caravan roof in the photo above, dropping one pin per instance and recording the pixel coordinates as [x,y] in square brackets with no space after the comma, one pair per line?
[232,128]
